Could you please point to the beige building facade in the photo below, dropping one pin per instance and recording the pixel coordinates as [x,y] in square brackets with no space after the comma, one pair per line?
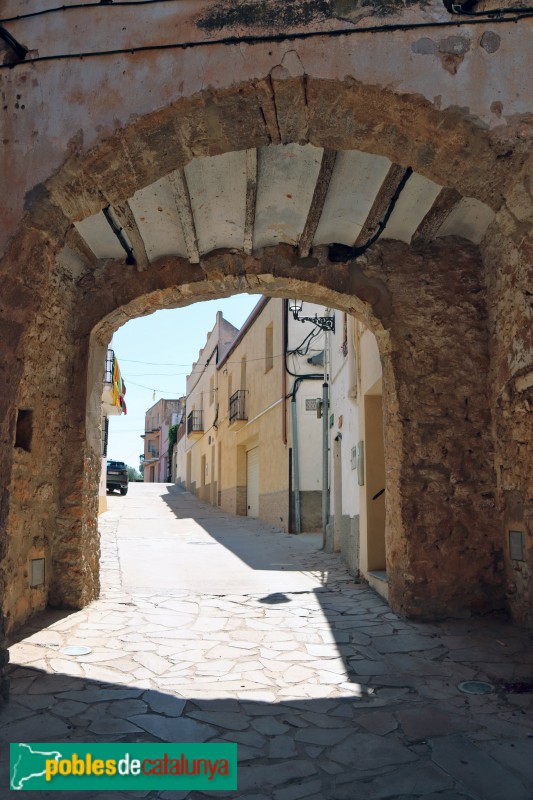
[357,435]
[243,457]
[253,451]
[203,414]
[238,448]
[158,420]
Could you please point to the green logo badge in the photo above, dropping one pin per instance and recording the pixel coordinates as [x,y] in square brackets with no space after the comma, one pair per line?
[60,766]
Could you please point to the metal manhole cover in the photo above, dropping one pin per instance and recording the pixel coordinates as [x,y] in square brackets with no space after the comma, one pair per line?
[76,650]
[475,687]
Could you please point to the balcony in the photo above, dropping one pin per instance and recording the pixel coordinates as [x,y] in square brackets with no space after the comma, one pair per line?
[109,405]
[195,423]
[109,364]
[237,406]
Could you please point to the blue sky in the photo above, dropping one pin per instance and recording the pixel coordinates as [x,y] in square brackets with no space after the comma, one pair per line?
[155,354]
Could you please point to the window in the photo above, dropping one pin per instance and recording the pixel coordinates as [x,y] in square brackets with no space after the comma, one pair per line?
[211,390]
[269,347]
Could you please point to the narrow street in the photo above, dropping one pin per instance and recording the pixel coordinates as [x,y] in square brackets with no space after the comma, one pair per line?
[216,628]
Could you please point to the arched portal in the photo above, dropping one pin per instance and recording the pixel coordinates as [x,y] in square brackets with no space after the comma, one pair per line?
[424,297]
[431,520]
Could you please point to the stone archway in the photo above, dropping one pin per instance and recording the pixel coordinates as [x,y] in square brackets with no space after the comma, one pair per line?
[434,527]
[435,433]
[427,303]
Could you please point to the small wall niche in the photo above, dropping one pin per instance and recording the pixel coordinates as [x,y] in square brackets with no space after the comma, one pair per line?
[37,572]
[24,433]
[516,545]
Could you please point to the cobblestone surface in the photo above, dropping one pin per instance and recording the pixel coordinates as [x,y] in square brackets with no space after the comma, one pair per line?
[328,694]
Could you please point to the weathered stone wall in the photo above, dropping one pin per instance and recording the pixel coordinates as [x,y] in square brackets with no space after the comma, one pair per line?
[25,281]
[427,308]
[360,90]
[443,522]
[508,255]
[447,105]
[52,512]
[36,464]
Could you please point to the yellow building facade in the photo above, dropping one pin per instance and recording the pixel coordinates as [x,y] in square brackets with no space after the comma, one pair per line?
[254,448]
[236,444]
[239,448]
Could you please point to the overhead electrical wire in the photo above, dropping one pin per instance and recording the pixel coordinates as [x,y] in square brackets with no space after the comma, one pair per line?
[284,37]
[455,8]
[78,6]
[174,364]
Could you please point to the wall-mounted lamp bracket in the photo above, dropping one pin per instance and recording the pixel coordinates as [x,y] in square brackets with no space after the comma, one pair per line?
[324,323]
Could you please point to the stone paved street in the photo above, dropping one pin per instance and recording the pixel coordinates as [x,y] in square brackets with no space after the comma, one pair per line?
[214,628]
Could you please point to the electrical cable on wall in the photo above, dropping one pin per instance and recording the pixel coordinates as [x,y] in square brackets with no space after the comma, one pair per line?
[311,376]
[341,253]
[303,348]
[19,49]
[454,8]
[284,37]
[78,6]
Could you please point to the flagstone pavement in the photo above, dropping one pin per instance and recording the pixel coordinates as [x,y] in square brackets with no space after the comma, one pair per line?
[212,628]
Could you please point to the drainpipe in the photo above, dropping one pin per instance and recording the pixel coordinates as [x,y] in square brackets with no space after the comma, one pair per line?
[325,440]
[297,508]
[285,310]
[298,380]
[325,471]
[353,358]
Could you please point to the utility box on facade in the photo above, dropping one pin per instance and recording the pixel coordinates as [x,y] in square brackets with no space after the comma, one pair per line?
[360,462]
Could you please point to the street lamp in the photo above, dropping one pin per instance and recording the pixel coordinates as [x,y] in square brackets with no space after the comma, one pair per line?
[324,323]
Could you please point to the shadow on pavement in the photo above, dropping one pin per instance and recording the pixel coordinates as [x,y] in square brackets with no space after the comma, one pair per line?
[339,748]
[282,551]
[328,694]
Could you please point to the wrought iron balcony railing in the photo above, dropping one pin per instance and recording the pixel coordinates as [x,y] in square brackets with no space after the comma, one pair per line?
[195,422]
[237,405]
[109,364]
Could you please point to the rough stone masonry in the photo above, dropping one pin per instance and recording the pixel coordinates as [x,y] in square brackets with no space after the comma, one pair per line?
[453,320]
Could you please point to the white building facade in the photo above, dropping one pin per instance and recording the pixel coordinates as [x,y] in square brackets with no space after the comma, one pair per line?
[356,524]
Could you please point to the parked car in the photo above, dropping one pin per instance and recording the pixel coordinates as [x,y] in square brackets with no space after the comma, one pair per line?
[117,476]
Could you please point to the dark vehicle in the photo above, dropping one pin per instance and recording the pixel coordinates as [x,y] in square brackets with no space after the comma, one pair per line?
[117,476]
